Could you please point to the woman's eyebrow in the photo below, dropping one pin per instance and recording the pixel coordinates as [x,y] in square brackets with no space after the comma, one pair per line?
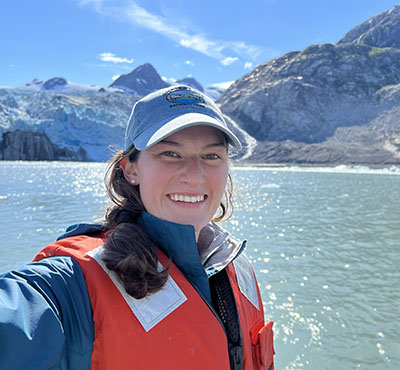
[221,144]
[174,143]
[169,142]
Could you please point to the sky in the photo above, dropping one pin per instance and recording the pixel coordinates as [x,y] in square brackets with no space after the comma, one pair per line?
[92,42]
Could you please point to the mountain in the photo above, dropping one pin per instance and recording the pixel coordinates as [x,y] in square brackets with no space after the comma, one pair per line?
[141,81]
[326,104]
[380,31]
[190,81]
[212,91]
[145,79]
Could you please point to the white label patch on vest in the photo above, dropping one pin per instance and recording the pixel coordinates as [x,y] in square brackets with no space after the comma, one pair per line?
[246,280]
[152,309]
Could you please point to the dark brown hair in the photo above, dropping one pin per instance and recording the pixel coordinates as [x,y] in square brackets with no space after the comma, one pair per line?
[129,250]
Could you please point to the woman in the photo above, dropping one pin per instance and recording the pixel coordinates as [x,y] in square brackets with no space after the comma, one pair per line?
[159,285]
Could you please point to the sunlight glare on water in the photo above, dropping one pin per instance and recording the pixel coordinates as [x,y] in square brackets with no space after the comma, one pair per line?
[325,245]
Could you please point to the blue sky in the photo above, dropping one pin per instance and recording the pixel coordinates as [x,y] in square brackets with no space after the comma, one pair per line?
[92,41]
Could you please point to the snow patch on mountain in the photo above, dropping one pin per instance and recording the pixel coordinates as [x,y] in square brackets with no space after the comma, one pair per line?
[249,143]
[60,84]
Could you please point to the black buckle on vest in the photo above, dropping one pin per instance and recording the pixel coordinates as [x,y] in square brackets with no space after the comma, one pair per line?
[236,355]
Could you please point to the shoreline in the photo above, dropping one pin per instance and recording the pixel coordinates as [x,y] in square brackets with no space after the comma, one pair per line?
[388,169]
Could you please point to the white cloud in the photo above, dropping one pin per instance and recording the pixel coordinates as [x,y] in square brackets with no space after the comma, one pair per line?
[202,45]
[223,85]
[228,61]
[248,65]
[168,27]
[110,57]
[115,77]
[245,50]
[189,63]
[97,4]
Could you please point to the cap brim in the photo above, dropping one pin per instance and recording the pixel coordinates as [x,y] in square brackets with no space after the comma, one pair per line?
[160,130]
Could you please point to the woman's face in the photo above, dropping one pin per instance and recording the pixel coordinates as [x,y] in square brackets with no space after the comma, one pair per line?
[182,179]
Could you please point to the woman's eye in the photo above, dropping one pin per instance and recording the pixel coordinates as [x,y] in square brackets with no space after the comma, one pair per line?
[170,154]
[211,156]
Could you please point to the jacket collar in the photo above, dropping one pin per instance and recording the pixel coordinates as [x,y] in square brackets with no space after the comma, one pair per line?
[179,243]
[214,250]
[217,248]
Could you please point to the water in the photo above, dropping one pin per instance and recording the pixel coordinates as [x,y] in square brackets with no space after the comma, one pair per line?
[325,244]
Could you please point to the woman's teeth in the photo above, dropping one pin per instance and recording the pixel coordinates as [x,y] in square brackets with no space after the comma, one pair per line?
[186,198]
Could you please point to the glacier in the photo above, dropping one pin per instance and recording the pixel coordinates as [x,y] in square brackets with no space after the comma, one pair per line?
[89,119]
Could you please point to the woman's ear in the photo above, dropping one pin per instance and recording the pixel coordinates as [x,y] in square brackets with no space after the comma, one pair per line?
[130,171]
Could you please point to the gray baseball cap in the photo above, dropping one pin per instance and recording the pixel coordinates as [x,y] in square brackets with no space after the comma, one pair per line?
[169,110]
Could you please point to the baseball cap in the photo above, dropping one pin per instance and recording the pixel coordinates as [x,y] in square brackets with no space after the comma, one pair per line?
[166,111]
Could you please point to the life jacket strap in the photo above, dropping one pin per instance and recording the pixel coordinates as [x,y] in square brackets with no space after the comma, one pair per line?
[224,304]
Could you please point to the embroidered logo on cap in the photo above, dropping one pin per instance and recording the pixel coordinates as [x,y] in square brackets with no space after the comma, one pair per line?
[184,96]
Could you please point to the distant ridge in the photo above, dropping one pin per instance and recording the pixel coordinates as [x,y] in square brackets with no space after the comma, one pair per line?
[190,81]
[55,83]
[141,81]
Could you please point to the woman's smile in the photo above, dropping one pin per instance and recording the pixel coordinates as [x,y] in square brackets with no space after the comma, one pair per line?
[181,198]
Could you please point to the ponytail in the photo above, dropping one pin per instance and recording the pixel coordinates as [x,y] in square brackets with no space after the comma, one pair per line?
[129,250]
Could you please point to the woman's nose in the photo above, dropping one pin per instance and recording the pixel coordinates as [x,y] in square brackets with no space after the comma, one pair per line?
[192,172]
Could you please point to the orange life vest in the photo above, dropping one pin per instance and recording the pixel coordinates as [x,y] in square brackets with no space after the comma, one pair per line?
[171,329]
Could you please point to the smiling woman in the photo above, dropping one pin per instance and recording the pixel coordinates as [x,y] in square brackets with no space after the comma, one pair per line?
[182,179]
[158,285]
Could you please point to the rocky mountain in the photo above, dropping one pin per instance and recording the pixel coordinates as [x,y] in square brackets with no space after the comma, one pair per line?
[326,104]
[145,79]
[380,31]
[141,81]
[35,146]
